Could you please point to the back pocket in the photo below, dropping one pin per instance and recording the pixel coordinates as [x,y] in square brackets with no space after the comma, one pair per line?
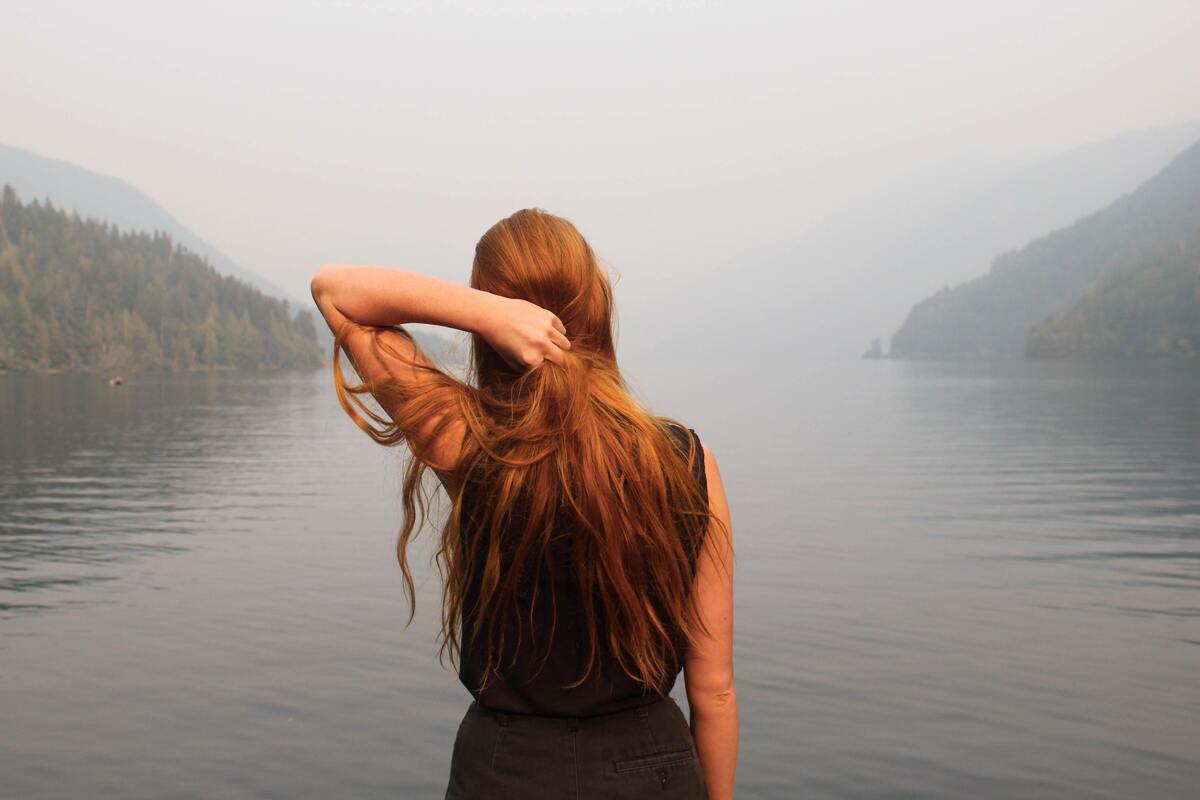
[667,758]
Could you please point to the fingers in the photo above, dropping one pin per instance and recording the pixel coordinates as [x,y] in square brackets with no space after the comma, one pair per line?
[557,323]
[560,339]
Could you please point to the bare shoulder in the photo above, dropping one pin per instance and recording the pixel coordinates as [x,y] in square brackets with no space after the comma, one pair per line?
[419,398]
[716,488]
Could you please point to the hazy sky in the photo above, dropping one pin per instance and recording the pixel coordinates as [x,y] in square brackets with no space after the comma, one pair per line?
[290,134]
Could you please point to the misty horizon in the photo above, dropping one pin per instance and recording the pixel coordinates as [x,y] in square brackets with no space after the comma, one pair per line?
[676,137]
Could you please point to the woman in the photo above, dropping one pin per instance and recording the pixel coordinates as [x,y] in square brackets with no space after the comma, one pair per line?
[586,557]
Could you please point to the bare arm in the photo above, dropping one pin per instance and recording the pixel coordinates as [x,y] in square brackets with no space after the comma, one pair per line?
[366,303]
[385,297]
[523,333]
[708,669]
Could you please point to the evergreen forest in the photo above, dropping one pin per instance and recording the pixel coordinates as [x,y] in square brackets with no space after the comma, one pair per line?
[81,294]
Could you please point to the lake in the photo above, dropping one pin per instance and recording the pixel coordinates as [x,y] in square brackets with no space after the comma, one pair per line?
[953,580]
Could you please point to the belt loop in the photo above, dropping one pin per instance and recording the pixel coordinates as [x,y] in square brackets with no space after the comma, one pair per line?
[502,718]
[572,724]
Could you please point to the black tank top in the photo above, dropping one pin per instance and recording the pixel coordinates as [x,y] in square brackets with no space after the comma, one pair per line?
[535,683]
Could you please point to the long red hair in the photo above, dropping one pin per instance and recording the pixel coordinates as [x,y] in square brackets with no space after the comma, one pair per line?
[552,446]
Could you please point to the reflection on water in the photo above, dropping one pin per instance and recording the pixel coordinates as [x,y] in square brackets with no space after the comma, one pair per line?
[953,580]
[93,477]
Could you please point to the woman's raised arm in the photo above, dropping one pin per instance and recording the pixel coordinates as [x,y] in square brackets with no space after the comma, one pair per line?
[364,304]
[384,297]
[524,334]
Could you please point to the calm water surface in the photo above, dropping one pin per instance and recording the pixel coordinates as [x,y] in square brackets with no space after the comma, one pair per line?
[954,581]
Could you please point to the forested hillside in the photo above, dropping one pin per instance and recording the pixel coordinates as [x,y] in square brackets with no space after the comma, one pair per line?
[993,315]
[1151,308]
[82,294]
[92,194]
[833,282]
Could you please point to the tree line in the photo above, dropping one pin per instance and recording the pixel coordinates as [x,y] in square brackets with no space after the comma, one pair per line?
[82,294]
[1149,308]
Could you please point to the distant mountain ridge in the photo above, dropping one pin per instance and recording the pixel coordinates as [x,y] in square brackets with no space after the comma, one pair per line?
[992,315]
[92,194]
[836,283]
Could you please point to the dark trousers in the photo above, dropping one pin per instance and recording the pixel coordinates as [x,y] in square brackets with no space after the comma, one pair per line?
[639,753]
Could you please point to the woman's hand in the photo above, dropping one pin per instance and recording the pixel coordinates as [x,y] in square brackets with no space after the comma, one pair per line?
[525,334]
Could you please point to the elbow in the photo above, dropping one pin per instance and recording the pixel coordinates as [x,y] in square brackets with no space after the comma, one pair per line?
[716,695]
[320,284]
[326,286]
[716,704]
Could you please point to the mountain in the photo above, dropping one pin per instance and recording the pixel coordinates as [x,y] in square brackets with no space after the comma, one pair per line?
[992,315]
[835,283]
[1148,308]
[82,294]
[73,188]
